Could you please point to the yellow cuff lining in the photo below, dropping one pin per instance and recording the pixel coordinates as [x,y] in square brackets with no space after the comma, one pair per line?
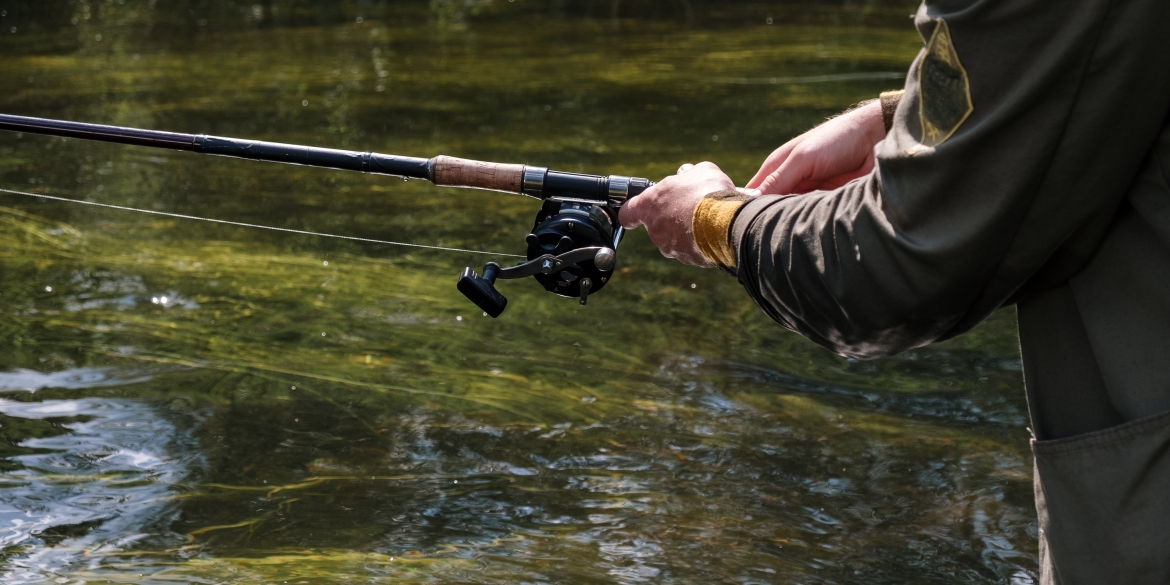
[890,101]
[711,224]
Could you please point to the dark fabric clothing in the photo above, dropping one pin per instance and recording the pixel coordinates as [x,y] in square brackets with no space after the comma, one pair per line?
[1101,499]
[1068,400]
[1096,353]
[1067,106]
[1052,195]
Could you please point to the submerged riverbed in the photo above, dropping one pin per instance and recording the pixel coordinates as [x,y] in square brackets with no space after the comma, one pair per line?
[183,401]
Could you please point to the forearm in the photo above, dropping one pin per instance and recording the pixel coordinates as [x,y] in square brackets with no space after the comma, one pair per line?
[826,157]
[844,143]
[866,269]
[829,266]
[980,181]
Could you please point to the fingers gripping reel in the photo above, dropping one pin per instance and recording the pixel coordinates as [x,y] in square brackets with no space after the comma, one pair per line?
[571,252]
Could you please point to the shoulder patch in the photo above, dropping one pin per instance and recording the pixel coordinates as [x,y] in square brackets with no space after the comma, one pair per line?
[944,94]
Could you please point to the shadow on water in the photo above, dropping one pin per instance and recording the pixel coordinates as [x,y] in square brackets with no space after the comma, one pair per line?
[186,402]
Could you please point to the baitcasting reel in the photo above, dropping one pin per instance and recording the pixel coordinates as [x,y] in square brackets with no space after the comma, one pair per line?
[572,252]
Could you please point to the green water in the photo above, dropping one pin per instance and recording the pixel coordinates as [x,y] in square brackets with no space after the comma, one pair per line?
[191,402]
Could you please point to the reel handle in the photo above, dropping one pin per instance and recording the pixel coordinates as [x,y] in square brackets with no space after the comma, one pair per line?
[482,290]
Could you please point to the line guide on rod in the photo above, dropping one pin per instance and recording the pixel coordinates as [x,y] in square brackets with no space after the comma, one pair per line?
[573,242]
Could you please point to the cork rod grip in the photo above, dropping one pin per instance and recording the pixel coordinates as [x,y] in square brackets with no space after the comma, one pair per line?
[450,171]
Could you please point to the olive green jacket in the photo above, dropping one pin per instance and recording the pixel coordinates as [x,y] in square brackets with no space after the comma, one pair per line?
[1027,164]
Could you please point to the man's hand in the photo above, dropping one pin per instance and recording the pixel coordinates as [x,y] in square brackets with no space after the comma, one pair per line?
[666,209]
[825,157]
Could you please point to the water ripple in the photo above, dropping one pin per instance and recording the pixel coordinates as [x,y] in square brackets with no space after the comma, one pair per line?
[102,486]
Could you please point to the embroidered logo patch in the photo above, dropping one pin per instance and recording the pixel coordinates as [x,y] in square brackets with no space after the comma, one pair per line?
[944,94]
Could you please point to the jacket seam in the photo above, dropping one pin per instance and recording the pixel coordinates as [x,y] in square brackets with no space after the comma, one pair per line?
[1101,438]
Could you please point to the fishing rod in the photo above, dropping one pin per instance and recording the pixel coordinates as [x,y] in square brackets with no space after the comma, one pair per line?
[572,248]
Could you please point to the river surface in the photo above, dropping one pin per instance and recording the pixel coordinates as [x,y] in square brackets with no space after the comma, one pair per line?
[184,401]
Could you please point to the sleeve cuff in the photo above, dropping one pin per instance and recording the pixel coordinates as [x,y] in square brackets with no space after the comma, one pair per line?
[890,100]
[711,225]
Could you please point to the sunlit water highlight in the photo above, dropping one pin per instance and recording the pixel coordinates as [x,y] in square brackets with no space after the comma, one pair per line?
[106,483]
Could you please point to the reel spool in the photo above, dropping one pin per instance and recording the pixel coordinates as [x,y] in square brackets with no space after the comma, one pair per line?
[572,252]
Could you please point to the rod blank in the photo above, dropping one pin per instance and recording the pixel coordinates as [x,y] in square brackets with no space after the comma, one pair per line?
[155,138]
[442,170]
[367,162]
[346,160]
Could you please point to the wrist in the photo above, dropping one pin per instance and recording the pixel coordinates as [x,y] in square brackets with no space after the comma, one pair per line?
[889,101]
[871,120]
[711,226]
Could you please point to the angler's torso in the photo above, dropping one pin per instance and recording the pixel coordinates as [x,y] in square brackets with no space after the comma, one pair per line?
[1095,315]
[1123,294]
[1095,319]
[1096,355]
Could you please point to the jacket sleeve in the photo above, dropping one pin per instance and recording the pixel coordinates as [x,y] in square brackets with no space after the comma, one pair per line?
[1065,104]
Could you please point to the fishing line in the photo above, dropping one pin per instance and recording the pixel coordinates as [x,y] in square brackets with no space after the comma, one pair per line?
[252,225]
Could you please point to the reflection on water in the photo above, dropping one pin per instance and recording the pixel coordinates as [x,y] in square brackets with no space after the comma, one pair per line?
[99,478]
[699,476]
[30,380]
[187,402]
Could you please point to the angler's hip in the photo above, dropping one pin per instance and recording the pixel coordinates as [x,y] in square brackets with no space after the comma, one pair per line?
[1103,500]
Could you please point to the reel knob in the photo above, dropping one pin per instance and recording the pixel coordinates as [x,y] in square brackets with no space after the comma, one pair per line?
[586,284]
[482,290]
[605,260]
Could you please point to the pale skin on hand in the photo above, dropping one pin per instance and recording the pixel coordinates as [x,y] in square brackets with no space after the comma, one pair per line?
[666,209]
[825,157]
